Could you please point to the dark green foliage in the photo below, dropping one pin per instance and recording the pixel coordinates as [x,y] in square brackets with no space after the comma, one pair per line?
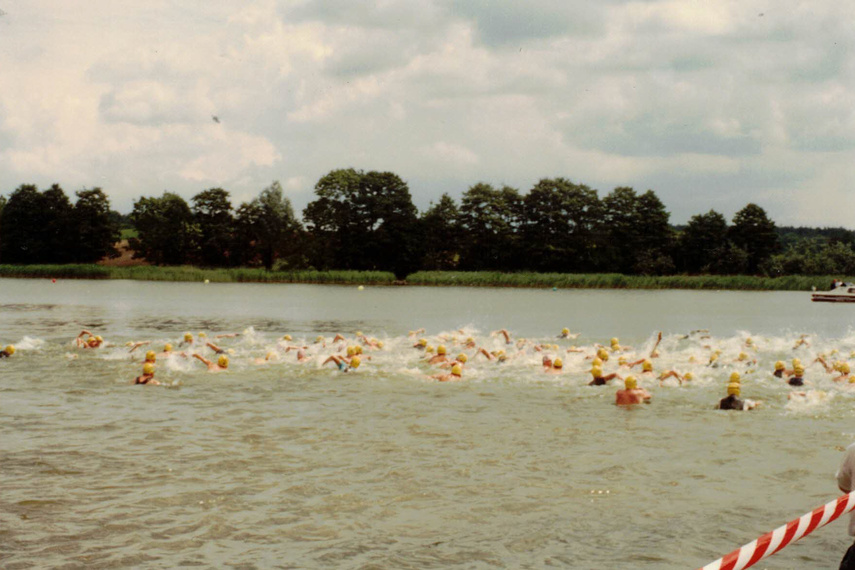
[364,221]
[490,221]
[704,238]
[167,231]
[96,229]
[562,227]
[212,212]
[755,234]
[442,235]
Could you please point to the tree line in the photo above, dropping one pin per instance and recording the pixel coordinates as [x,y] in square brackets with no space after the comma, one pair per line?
[367,221]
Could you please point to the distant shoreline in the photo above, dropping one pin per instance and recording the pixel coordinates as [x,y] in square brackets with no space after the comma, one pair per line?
[424,278]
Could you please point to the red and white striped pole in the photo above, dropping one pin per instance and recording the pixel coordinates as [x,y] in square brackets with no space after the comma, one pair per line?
[772,542]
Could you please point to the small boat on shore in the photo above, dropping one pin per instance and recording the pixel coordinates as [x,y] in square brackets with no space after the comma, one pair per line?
[841,293]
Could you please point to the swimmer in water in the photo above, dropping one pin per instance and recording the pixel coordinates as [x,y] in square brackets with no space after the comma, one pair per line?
[147,376]
[557,367]
[215,348]
[188,339]
[342,362]
[779,369]
[797,376]
[221,365]
[673,374]
[845,373]
[802,341]
[743,358]
[421,344]
[631,394]
[461,359]
[440,357]
[598,379]
[504,333]
[455,375]
[7,352]
[732,401]
[565,333]
[93,341]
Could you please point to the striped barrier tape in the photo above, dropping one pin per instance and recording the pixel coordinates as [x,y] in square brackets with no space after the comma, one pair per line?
[772,542]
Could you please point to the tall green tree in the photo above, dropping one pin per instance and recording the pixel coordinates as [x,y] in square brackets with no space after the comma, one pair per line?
[95,226]
[364,220]
[562,226]
[704,238]
[56,232]
[756,234]
[266,231]
[442,235]
[166,228]
[23,218]
[277,229]
[620,220]
[212,211]
[333,221]
[490,222]
[655,236]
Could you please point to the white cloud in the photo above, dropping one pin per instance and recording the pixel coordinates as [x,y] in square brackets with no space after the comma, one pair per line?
[710,104]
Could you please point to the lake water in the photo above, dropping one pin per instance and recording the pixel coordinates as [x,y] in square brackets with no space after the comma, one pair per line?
[296,465]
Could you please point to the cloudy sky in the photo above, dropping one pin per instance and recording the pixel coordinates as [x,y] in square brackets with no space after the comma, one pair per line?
[710,104]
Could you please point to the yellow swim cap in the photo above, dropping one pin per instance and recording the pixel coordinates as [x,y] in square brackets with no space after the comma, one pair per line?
[734,378]
[203,335]
[223,361]
[630,383]
[688,376]
[733,389]
[796,362]
[358,333]
[457,370]
[844,367]
[422,342]
[148,368]
[742,356]
[167,347]
[92,341]
[470,340]
[779,365]
[597,361]
[99,338]
[380,344]
[603,354]
[357,349]
[188,337]
[621,360]
[10,350]
[351,350]
[441,349]
[355,362]
[150,356]
[799,370]
[462,358]
[287,337]
[565,331]
[319,339]
[596,371]
[647,366]
[270,355]
[558,363]
[615,341]
[429,349]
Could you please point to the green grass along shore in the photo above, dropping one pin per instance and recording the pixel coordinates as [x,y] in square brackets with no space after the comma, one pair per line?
[430,278]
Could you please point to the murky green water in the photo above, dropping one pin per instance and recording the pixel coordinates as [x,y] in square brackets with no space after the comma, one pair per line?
[297,465]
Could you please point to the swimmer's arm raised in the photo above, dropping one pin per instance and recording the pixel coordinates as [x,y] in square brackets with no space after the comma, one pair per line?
[202,358]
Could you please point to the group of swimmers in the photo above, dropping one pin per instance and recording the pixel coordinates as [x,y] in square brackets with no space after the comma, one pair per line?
[346,355]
